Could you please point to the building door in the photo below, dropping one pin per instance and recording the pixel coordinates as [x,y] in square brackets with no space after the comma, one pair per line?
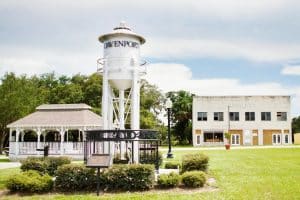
[276,138]
[255,140]
[198,141]
[235,139]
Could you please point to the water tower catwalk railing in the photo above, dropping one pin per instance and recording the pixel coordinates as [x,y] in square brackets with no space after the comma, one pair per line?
[147,141]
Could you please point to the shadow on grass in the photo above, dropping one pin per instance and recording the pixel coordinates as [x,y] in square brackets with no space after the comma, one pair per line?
[2,160]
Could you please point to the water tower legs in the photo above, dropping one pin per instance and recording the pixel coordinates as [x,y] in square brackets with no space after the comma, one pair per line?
[135,109]
[122,120]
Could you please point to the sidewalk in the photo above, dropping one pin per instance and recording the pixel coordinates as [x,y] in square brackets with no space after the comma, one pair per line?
[6,164]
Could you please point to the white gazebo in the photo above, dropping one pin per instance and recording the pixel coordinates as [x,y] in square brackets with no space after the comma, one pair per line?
[60,126]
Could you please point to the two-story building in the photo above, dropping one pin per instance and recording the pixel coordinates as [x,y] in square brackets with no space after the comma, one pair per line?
[250,120]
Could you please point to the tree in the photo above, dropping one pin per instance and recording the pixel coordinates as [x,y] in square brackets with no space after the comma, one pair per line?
[19,96]
[93,92]
[295,125]
[182,115]
[151,105]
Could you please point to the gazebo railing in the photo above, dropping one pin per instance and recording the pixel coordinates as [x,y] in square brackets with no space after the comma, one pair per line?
[55,148]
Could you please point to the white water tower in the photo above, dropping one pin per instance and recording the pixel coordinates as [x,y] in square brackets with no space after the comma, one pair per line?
[121,69]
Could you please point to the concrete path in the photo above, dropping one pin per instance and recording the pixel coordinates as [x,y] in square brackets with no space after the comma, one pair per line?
[6,165]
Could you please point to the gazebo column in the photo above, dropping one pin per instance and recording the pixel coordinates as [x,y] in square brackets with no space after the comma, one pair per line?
[44,137]
[79,133]
[38,132]
[84,135]
[22,136]
[62,139]
[10,139]
[10,135]
[17,141]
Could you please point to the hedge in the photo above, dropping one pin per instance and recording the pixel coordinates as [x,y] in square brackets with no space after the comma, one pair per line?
[168,180]
[74,177]
[30,181]
[172,165]
[193,179]
[44,165]
[191,162]
[129,177]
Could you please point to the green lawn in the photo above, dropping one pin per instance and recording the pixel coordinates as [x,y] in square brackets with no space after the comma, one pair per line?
[4,174]
[240,174]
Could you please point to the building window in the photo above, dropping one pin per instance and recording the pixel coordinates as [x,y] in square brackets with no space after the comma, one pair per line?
[281,116]
[218,116]
[213,137]
[286,139]
[198,139]
[276,138]
[202,116]
[266,116]
[250,116]
[234,116]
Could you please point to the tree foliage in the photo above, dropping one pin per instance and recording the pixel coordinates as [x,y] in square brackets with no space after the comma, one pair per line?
[20,95]
[151,105]
[182,115]
[296,125]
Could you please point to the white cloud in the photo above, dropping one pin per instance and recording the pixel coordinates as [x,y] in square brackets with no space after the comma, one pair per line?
[197,48]
[30,61]
[291,70]
[224,8]
[174,77]
[23,66]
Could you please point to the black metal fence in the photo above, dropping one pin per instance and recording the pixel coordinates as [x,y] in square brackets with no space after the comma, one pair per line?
[121,144]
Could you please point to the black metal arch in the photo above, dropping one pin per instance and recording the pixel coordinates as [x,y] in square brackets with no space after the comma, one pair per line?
[147,141]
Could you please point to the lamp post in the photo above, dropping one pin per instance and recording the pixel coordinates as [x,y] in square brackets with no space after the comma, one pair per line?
[169,106]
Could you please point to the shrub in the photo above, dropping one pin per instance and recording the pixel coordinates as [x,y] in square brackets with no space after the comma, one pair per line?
[172,165]
[129,177]
[168,180]
[193,179]
[44,165]
[53,163]
[34,163]
[74,177]
[151,159]
[30,181]
[193,162]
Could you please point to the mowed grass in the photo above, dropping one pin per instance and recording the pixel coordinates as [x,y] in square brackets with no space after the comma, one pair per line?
[240,174]
[254,173]
[5,174]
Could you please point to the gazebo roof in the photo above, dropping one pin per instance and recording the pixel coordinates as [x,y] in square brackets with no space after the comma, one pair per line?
[59,115]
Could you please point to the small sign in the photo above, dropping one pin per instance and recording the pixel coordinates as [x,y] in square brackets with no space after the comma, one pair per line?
[254,134]
[99,160]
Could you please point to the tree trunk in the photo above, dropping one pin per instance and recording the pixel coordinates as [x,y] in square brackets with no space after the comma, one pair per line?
[3,134]
[1,142]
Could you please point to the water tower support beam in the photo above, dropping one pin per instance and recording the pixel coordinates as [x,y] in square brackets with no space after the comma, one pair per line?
[105,98]
[135,120]
[121,120]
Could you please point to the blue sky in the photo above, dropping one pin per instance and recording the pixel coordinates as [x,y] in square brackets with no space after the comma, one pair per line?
[208,47]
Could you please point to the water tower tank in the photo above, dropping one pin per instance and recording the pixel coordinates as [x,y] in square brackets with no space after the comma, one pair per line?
[121,55]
